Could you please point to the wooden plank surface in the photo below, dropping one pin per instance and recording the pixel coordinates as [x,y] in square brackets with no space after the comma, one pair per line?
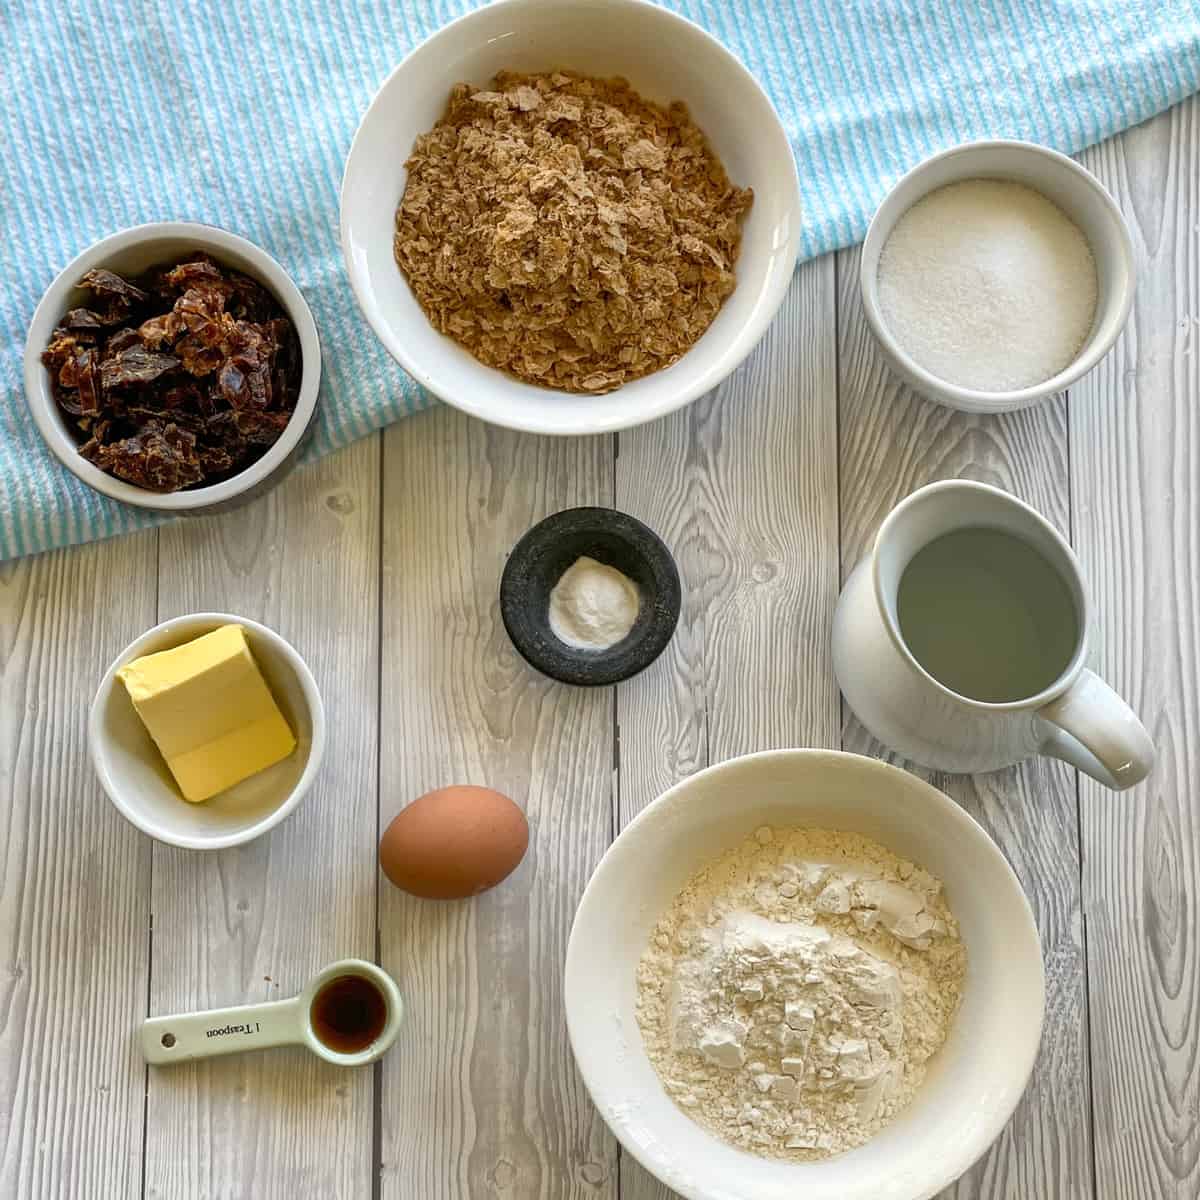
[743,487]
[74,895]
[893,442]
[382,565]
[257,921]
[481,1097]
[1135,422]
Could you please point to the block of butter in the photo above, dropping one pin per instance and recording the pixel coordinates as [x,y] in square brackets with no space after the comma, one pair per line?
[209,711]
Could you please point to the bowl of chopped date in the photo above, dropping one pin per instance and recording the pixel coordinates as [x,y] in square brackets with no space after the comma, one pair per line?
[174,366]
[570,216]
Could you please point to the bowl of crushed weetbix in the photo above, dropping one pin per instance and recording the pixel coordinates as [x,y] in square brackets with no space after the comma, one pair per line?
[174,366]
[570,216]
[804,973]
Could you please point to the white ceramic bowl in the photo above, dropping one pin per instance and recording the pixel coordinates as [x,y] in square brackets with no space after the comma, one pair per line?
[137,780]
[665,57]
[1077,192]
[974,1083]
[129,253]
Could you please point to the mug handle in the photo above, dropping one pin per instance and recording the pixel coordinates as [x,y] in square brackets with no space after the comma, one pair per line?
[1093,729]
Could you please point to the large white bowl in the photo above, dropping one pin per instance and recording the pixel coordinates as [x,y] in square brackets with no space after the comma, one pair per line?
[665,57]
[974,1083]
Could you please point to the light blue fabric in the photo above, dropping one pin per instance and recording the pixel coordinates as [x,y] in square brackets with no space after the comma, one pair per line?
[240,114]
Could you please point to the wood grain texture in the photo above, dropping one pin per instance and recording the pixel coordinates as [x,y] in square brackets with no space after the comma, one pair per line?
[74,900]
[480,1100]
[257,921]
[481,1097]
[892,442]
[742,486]
[1136,499]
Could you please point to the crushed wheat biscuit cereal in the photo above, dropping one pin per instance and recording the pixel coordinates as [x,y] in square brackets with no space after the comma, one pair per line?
[565,230]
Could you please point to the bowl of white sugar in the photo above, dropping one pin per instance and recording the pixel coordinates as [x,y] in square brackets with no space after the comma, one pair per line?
[995,274]
[804,973]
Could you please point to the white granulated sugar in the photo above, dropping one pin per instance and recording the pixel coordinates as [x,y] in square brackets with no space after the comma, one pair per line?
[593,606]
[988,285]
[792,996]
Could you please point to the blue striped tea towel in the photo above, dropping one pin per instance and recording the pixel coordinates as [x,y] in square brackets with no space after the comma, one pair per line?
[241,115]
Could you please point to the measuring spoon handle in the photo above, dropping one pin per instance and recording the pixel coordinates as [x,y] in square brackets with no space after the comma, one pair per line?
[222,1031]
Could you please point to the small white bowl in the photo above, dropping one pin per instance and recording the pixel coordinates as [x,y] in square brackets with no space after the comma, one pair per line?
[664,57]
[129,253]
[1076,191]
[973,1084]
[137,780]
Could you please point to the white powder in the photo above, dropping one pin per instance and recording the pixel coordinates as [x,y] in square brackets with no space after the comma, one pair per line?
[988,285]
[792,996]
[593,606]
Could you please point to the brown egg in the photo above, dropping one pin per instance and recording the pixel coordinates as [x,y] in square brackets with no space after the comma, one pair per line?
[454,842]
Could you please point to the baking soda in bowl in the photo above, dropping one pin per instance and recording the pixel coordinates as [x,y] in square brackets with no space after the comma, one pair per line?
[988,285]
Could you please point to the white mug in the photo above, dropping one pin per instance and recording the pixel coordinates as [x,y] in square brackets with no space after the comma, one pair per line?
[290,1022]
[1077,718]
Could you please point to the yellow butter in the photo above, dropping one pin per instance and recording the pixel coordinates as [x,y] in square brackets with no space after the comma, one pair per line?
[209,711]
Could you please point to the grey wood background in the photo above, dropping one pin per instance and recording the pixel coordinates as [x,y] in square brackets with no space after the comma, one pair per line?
[382,563]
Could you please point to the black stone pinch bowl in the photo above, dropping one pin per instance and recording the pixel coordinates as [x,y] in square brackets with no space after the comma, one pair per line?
[538,561]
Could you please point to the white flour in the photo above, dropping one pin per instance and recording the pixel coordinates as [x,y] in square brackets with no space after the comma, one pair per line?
[988,285]
[593,606]
[793,994]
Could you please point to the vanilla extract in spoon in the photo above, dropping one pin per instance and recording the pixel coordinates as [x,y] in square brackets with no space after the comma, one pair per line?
[348,1014]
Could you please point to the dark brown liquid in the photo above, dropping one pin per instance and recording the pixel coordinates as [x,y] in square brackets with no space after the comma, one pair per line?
[348,1014]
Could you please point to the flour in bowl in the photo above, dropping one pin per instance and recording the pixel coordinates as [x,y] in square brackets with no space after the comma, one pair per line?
[794,993]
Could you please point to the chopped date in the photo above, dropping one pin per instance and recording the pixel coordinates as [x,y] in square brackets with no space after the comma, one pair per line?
[135,366]
[123,339]
[179,378]
[201,308]
[185,420]
[160,330]
[68,372]
[262,428]
[61,350]
[187,397]
[89,388]
[115,297]
[68,401]
[250,300]
[80,319]
[215,460]
[107,284]
[164,461]
[198,358]
[187,273]
[231,381]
